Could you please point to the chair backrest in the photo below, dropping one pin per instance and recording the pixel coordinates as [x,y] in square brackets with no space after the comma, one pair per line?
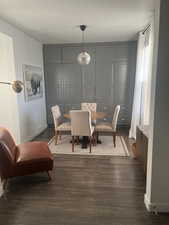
[8,153]
[89,106]
[80,123]
[115,117]
[56,115]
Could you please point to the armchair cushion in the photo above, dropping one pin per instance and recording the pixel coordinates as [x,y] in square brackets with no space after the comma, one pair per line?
[33,151]
[33,157]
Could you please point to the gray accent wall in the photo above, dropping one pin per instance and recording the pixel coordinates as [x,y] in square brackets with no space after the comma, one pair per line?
[108,79]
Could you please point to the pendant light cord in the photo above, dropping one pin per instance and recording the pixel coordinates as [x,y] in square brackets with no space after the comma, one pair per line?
[83,40]
[83,28]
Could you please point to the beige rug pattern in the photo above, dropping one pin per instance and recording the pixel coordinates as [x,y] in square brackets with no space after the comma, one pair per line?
[106,148]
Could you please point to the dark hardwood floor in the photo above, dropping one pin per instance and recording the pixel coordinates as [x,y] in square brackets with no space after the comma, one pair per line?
[85,190]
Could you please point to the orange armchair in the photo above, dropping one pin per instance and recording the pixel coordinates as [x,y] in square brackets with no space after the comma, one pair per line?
[23,159]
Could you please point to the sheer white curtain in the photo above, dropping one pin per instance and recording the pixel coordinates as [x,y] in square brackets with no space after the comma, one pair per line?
[147,76]
[138,86]
[142,91]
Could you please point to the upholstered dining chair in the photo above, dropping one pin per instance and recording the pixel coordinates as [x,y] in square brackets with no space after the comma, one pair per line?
[81,125]
[89,106]
[109,127]
[59,126]
[23,159]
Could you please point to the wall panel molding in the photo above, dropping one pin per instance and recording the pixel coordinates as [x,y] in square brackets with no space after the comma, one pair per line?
[107,80]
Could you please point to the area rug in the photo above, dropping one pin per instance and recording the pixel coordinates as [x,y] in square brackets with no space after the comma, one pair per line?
[106,148]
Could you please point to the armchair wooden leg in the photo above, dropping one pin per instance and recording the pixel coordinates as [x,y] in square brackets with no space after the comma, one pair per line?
[5,183]
[73,143]
[4,188]
[114,139]
[90,138]
[48,173]
[56,137]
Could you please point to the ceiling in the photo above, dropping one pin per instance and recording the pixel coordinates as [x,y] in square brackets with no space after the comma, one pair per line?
[56,21]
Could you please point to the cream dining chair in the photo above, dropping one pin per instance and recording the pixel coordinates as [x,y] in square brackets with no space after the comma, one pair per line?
[89,106]
[109,127]
[81,125]
[59,126]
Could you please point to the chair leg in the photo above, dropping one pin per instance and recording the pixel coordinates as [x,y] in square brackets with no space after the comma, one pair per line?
[56,137]
[77,140]
[73,143]
[48,173]
[90,138]
[114,139]
[94,139]
[5,183]
[97,137]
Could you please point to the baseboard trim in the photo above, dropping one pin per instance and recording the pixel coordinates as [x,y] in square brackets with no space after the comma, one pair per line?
[39,133]
[149,206]
[155,207]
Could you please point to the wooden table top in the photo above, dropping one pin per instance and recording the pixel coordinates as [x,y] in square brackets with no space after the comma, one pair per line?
[94,115]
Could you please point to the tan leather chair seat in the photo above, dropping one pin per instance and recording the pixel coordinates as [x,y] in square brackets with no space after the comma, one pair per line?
[33,151]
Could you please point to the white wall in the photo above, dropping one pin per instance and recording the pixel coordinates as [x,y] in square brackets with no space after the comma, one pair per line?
[8,99]
[32,115]
[157,192]
[152,108]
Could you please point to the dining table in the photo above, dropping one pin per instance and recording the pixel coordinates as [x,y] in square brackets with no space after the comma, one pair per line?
[94,116]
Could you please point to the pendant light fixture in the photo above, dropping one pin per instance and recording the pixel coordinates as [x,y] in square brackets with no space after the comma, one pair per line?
[83,58]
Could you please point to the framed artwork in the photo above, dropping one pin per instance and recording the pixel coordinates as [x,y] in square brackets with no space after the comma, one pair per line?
[33,82]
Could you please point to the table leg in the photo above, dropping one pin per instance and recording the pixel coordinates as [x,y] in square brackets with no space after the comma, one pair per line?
[84,142]
[98,141]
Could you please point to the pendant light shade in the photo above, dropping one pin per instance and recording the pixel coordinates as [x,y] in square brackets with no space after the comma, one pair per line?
[83,58]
